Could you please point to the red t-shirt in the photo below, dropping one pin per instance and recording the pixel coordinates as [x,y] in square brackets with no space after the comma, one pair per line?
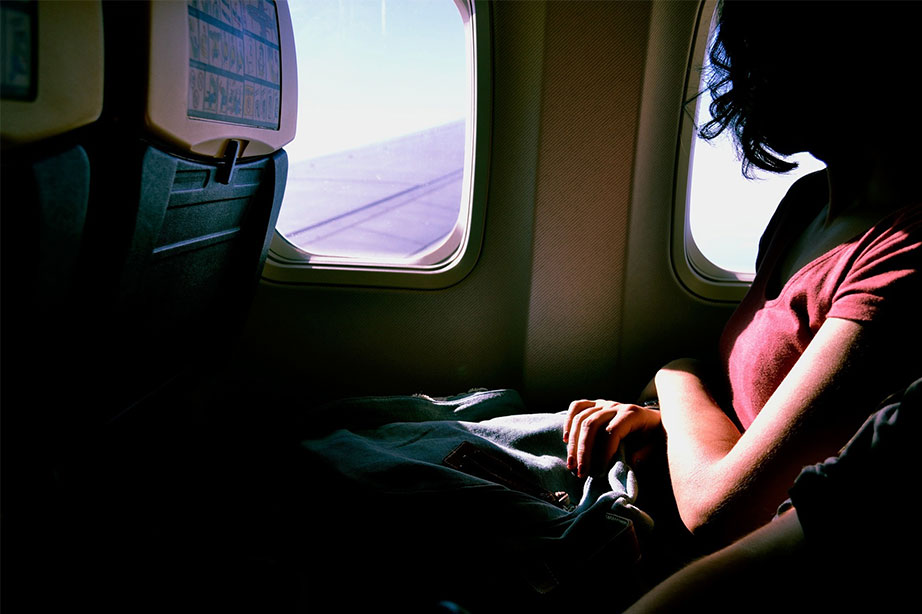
[872,278]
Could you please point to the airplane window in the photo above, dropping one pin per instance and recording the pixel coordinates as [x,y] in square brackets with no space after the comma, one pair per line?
[727,212]
[377,171]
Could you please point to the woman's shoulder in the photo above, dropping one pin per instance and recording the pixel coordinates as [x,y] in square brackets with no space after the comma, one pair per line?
[908,218]
[899,229]
[898,235]
[801,203]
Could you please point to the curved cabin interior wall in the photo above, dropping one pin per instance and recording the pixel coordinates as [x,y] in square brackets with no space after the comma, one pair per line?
[573,294]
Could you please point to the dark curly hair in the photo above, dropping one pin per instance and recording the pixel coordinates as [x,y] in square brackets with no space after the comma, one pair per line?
[809,47]
[733,86]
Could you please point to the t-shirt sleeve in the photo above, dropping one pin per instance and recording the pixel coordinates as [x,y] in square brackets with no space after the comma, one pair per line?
[886,274]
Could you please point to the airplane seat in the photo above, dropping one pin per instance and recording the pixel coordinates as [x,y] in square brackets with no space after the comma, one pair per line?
[189,173]
[134,233]
[51,98]
[50,101]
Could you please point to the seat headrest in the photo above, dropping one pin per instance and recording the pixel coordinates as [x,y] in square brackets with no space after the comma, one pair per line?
[52,68]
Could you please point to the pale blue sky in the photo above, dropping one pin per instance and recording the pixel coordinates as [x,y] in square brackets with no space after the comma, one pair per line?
[371,70]
[727,211]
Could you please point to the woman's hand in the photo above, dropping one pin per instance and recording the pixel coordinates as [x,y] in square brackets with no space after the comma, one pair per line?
[594,429]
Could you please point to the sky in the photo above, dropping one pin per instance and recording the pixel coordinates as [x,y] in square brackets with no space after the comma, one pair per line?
[727,211]
[371,70]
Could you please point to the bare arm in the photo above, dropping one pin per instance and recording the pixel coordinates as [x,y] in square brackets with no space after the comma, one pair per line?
[767,563]
[727,483]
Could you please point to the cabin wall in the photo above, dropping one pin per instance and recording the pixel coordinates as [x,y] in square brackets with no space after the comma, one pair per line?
[593,77]
[317,342]
[559,301]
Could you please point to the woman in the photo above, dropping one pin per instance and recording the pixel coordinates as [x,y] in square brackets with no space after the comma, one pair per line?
[838,273]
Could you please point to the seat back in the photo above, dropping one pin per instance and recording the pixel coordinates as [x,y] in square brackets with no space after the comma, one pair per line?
[142,174]
[135,222]
[188,180]
[48,95]
[51,96]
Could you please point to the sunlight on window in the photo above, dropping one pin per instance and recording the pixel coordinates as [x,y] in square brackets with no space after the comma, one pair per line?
[728,212]
[376,168]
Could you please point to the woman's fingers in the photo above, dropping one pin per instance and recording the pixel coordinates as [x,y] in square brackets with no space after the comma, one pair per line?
[620,426]
[575,415]
[579,412]
[590,427]
[593,430]
[584,420]
[576,407]
[631,419]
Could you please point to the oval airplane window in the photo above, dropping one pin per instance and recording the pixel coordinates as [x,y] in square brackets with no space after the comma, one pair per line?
[727,212]
[380,171]
[721,214]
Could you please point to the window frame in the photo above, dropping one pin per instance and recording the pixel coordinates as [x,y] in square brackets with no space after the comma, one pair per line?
[457,254]
[695,271]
